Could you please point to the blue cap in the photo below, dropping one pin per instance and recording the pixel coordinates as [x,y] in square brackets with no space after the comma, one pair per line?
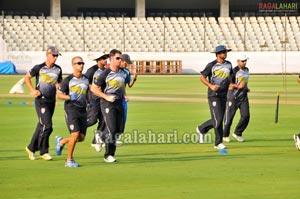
[221,48]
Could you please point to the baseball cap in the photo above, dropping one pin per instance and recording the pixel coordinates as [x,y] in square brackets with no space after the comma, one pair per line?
[242,57]
[102,56]
[53,50]
[221,48]
[126,57]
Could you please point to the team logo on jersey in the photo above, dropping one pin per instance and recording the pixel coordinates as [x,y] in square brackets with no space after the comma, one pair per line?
[43,110]
[72,127]
[214,103]
[107,110]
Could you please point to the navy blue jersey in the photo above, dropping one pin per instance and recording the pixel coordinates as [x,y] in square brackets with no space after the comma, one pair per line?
[72,85]
[46,78]
[239,76]
[128,78]
[96,76]
[218,74]
[112,83]
[90,73]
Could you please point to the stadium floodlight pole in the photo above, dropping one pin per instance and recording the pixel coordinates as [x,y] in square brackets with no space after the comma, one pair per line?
[204,28]
[245,29]
[164,20]
[283,53]
[43,17]
[83,36]
[3,25]
[123,31]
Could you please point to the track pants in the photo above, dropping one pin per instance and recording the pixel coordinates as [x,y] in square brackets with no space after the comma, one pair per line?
[40,138]
[113,114]
[231,107]
[217,105]
[94,114]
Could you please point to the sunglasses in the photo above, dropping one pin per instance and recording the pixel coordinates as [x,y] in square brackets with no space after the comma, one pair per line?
[79,63]
[243,60]
[55,55]
[117,58]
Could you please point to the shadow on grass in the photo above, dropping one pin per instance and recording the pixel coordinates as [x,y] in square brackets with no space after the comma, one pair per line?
[143,158]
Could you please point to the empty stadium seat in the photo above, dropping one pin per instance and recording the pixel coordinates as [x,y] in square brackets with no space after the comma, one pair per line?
[181,33]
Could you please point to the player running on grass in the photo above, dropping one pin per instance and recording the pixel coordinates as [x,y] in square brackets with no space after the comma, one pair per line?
[48,76]
[73,90]
[216,76]
[237,98]
[94,111]
[110,87]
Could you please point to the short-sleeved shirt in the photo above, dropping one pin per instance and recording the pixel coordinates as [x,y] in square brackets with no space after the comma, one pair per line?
[218,74]
[46,78]
[238,76]
[73,85]
[112,83]
[128,78]
[90,73]
[96,76]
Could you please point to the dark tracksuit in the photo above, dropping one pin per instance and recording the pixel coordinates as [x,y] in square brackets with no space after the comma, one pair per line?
[112,83]
[46,78]
[94,113]
[237,99]
[217,74]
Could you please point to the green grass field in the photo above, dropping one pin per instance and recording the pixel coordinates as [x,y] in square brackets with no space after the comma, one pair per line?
[265,166]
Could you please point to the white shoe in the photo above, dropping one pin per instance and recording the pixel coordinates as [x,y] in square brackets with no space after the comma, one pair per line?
[238,138]
[119,143]
[46,156]
[99,143]
[226,139]
[297,141]
[201,135]
[110,159]
[98,147]
[220,146]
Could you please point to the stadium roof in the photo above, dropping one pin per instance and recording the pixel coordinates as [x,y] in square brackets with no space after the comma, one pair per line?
[152,7]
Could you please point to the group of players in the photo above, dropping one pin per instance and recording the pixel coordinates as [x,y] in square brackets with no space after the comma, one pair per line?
[99,95]
[227,92]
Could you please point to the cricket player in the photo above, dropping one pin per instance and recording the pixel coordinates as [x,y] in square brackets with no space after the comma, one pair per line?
[48,75]
[237,98]
[74,90]
[110,87]
[216,76]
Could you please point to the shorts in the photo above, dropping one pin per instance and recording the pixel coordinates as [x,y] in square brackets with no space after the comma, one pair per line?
[76,120]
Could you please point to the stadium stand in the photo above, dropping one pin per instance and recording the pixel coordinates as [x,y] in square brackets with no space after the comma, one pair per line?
[151,34]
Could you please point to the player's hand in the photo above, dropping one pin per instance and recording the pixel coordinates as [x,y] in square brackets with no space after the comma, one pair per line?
[231,87]
[214,87]
[35,93]
[126,98]
[73,96]
[134,76]
[57,86]
[110,98]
